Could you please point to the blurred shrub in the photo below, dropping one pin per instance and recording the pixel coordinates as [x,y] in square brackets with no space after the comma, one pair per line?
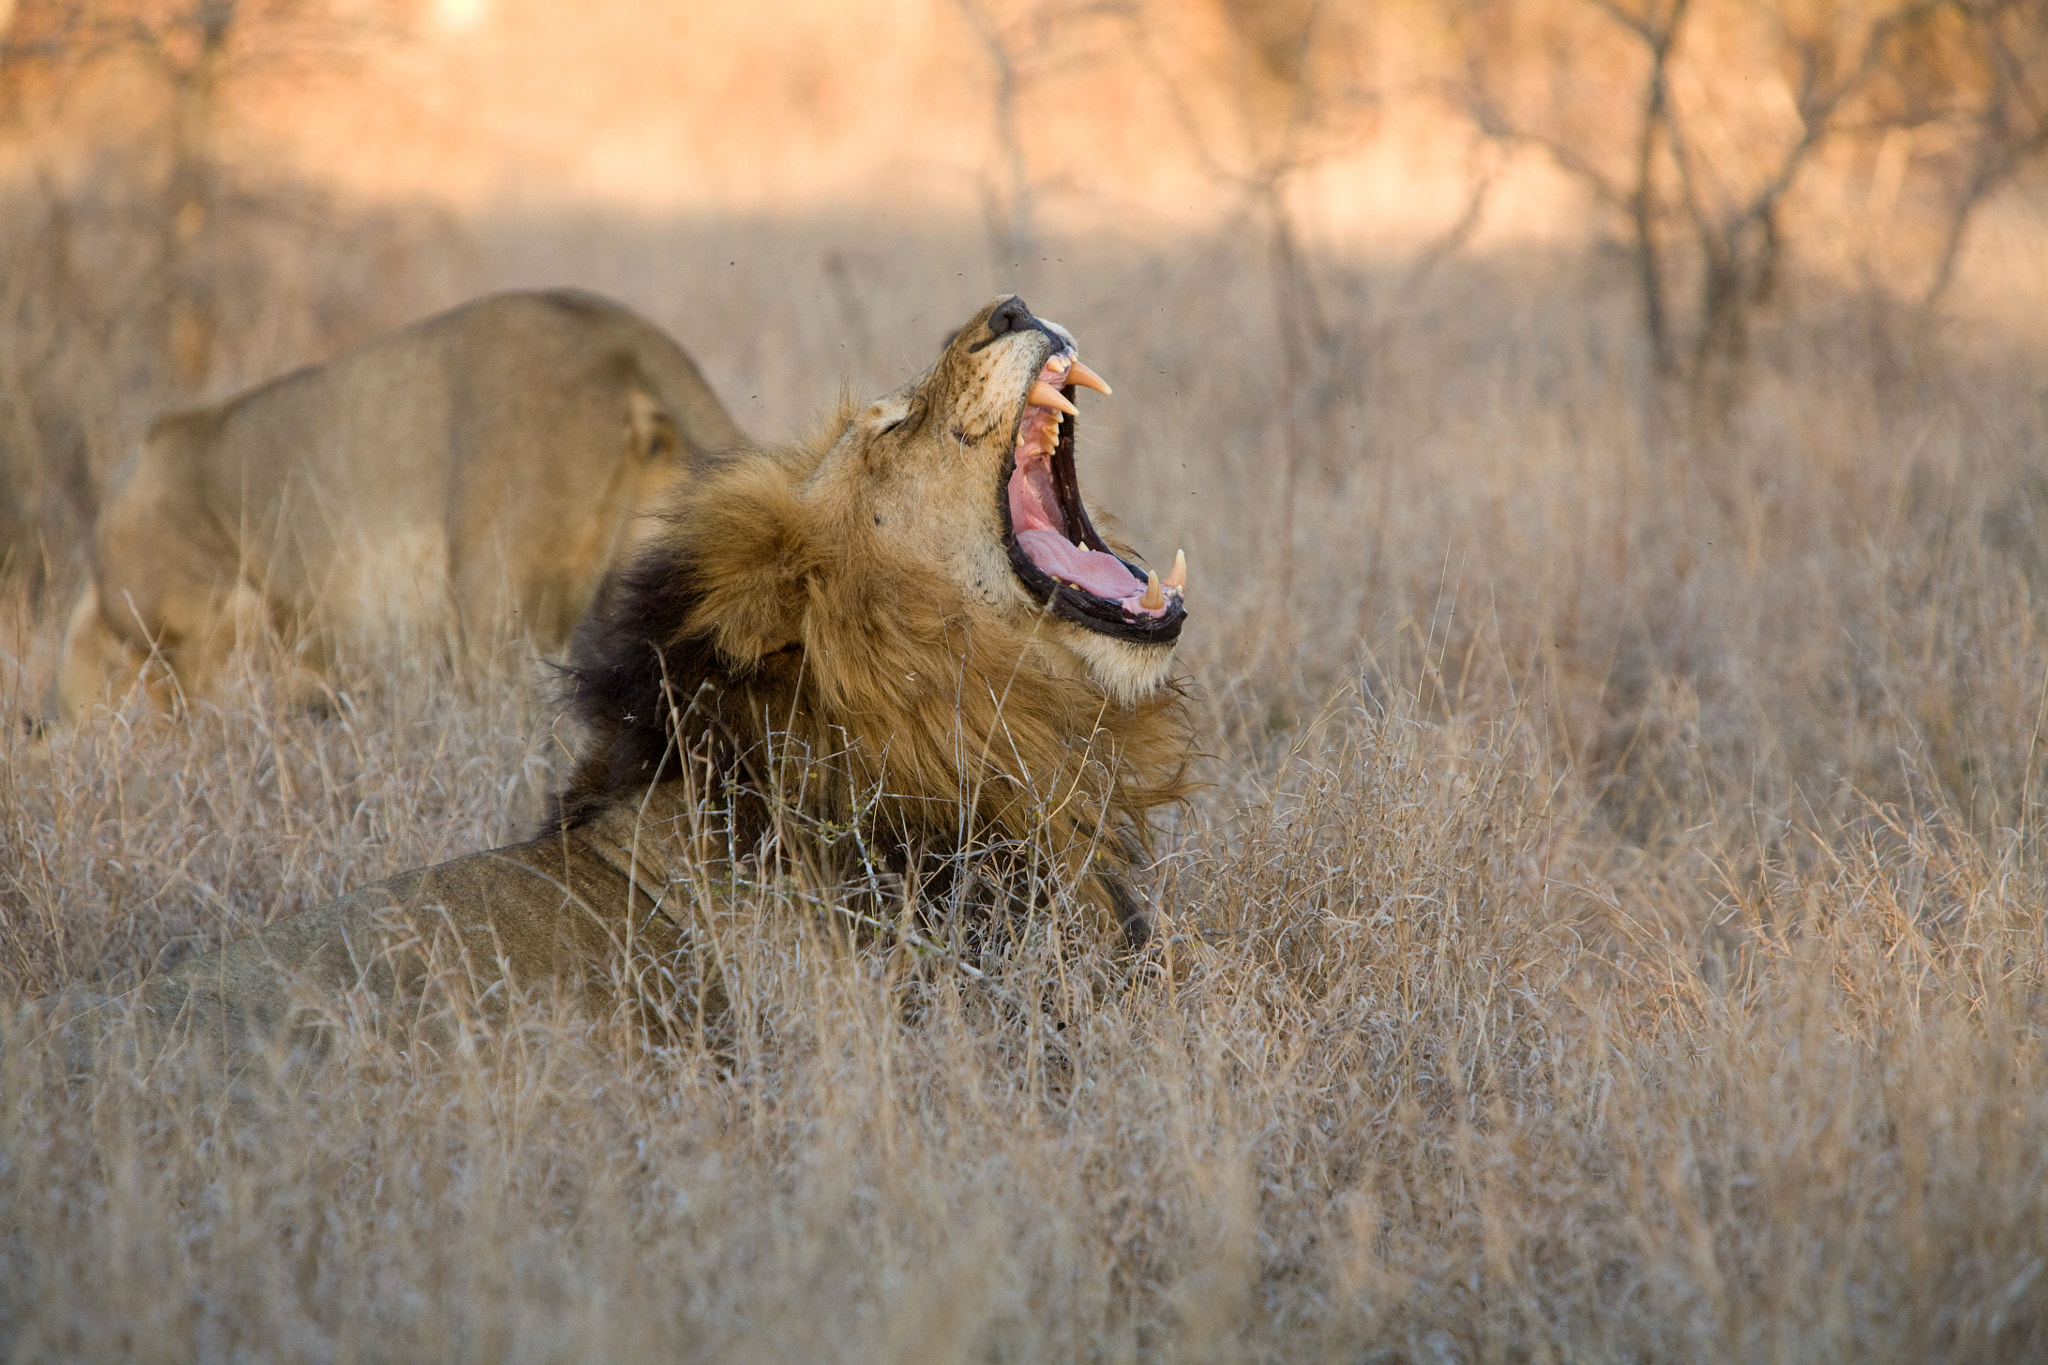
[1724,135]
[151,259]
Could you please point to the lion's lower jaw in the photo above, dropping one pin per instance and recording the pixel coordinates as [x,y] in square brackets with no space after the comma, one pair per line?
[1128,671]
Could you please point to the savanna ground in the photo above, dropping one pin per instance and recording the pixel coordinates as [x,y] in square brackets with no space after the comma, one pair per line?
[1612,929]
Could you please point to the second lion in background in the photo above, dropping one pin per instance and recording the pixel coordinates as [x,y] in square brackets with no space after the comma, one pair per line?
[469,476]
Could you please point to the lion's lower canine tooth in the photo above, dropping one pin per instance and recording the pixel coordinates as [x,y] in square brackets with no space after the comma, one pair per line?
[1046,396]
[1177,576]
[1087,378]
[1154,598]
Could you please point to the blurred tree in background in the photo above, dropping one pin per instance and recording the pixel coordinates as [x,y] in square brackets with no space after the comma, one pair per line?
[1025,45]
[1698,124]
[1963,95]
[1282,90]
[150,256]
[1749,157]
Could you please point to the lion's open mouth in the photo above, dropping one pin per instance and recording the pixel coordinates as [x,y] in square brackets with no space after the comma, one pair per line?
[1054,548]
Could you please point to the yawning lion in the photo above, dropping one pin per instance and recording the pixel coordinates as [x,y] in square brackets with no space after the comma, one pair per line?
[899,651]
[470,474]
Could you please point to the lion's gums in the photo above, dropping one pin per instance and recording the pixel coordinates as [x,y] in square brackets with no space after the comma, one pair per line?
[1614,930]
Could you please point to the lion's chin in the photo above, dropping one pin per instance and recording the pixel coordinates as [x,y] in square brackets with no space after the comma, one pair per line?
[1130,672]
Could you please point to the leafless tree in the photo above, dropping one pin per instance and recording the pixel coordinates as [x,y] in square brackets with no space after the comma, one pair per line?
[1704,205]
[1293,97]
[1974,75]
[1023,43]
[140,253]
[194,51]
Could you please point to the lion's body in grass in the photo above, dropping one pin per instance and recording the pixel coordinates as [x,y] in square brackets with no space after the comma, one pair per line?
[821,668]
[470,475]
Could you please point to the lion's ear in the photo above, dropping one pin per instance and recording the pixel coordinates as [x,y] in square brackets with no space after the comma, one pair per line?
[752,557]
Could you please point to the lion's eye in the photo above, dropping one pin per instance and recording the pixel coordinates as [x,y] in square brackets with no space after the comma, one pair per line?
[888,427]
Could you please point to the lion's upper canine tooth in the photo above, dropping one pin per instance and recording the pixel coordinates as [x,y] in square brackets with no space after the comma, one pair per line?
[1086,378]
[1177,576]
[1046,396]
[1154,598]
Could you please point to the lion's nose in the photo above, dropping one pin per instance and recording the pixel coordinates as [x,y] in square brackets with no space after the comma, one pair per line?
[1013,315]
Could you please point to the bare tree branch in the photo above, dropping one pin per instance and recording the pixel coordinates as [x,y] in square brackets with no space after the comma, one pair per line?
[1685,213]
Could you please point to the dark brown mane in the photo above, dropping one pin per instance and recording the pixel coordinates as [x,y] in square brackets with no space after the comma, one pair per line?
[630,669]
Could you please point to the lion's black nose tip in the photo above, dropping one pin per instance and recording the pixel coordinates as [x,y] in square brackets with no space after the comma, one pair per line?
[1013,315]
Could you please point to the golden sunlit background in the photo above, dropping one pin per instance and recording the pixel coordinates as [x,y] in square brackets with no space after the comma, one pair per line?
[1610,443]
[199,195]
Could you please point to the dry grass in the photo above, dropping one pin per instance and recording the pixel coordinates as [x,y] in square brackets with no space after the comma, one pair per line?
[1613,930]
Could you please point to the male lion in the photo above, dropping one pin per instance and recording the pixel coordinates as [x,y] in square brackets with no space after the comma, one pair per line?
[474,471]
[865,656]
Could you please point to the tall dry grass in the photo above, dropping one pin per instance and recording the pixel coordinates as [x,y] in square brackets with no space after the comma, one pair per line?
[1613,929]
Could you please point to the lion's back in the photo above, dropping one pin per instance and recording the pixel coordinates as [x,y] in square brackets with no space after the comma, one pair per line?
[484,464]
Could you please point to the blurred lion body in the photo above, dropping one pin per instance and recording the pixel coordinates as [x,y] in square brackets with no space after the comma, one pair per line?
[474,473]
[824,663]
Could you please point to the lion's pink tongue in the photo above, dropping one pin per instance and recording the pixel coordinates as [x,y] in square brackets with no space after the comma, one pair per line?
[1104,575]
[1036,520]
